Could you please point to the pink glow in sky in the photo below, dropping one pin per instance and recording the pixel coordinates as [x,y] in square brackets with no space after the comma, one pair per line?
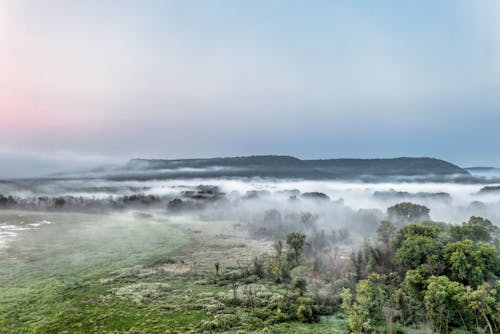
[316,79]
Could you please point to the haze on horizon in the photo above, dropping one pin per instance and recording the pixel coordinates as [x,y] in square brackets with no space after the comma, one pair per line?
[95,82]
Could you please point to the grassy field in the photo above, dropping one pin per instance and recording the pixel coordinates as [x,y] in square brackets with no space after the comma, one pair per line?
[49,277]
[135,274]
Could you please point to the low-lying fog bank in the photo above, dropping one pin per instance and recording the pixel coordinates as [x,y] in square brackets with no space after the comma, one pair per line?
[335,203]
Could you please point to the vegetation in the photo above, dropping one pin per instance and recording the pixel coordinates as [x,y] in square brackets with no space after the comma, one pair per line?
[408,212]
[489,189]
[414,275]
[168,288]
[446,275]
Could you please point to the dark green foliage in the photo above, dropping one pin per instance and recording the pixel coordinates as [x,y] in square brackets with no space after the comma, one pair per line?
[415,251]
[258,267]
[305,310]
[278,269]
[385,231]
[297,307]
[301,285]
[216,265]
[316,195]
[7,201]
[296,242]
[490,189]
[450,304]
[365,307]
[444,302]
[450,283]
[483,305]
[469,263]
[372,258]
[413,230]
[415,245]
[278,246]
[221,322]
[409,296]
[175,204]
[412,274]
[407,212]
[476,229]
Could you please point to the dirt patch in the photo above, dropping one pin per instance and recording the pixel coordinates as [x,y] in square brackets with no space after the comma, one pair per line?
[178,268]
[141,292]
[222,242]
[225,242]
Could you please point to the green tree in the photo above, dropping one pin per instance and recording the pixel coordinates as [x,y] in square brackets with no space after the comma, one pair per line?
[444,302]
[476,229]
[301,285]
[358,317]
[408,212]
[305,310]
[296,242]
[411,294]
[367,259]
[487,224]
[416,250]
[483,302]
[278,269]
[385,231]
[258,267]
[469,263]
[217,266]
[365,308]
[414,230]
[278,247]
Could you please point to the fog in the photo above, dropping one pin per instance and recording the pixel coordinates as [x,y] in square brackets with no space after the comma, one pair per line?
[355,206]
[69,229]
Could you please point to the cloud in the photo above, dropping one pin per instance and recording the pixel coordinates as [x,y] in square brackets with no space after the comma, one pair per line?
[22,162]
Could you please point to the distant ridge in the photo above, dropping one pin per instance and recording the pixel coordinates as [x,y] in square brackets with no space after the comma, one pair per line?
[482,169]
[279,166]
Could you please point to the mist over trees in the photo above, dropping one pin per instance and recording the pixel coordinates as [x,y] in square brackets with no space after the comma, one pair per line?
[383,269]
[414,270]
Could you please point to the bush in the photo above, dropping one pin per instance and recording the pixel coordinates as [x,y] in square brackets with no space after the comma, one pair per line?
[221,322]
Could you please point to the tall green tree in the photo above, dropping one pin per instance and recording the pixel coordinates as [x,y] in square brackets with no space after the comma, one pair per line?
[444,302]
[486,307]
[469,263]
[476,229]
[296,242]
[365,307]
[407,212]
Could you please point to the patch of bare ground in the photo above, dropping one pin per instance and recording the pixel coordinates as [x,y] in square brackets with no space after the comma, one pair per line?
[222,242]
[225,242]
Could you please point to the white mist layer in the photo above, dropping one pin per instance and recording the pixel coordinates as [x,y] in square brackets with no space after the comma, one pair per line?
[465,199]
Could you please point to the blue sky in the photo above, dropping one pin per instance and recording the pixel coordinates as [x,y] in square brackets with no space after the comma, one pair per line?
[92,82]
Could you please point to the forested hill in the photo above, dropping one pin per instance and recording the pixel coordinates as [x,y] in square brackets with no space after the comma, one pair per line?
[291,167]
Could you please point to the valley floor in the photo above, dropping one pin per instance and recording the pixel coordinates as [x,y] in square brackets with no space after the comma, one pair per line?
[135,274]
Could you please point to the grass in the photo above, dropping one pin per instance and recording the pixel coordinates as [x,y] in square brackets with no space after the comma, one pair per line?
[123,274]
[49,277]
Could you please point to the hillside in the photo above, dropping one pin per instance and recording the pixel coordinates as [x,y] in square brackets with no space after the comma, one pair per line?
[291,167]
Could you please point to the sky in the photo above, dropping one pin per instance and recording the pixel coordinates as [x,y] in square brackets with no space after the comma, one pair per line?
[85,83]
